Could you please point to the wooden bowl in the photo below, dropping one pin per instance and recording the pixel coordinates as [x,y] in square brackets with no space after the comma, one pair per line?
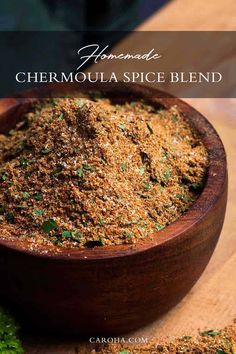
[115,289]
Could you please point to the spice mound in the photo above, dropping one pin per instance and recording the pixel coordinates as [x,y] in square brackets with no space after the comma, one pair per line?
[207,342]
[85,172]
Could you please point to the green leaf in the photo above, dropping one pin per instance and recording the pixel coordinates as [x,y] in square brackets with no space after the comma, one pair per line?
[38,196]
[66,234]
[211,333]
[74,235]
[186,198]
[57,170]
[174,118]
[167,153]
[142,227]
[128,234]
[159,227]
[49,225]
[61,116]
[123,166]
[142,170]
[221,351]
[25,195]
[166,175]
[231,349]
[45,151]
[123,352]
[38,212]
[101,221]
[122,126]
[24,163]
[4,177]
[81,102]
[147,186]
[79,172]
[87,167]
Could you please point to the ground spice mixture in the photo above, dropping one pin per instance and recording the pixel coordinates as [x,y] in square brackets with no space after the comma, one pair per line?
[207,342]
[84,172]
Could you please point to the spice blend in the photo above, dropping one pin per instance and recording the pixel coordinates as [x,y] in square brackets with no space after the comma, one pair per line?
[84,172]
[207,342]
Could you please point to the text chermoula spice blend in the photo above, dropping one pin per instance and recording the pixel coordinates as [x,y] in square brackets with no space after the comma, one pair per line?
[84,172]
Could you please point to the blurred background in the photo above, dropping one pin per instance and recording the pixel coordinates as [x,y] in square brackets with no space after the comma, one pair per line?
[85,15]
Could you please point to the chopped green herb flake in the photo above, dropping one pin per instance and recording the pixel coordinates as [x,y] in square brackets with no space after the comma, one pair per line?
[74,235]
[128,234]
[66,234]
[25,195]
[38,196]
[49,225]
[87,167]
[167,153]
[38,212]
[142,170]
[147,186]
[123,166]
[81,102]
[142,227]
[56,242]
[79,172]
[184,197]
[174,118]
[101,222]
[4,177]
[166,175]
[57,170]
[24,163]
[122,126]
[159,227]
[61,116]
[45,151]
[211,333]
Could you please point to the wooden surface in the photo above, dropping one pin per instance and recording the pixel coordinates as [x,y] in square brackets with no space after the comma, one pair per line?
[211,303]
